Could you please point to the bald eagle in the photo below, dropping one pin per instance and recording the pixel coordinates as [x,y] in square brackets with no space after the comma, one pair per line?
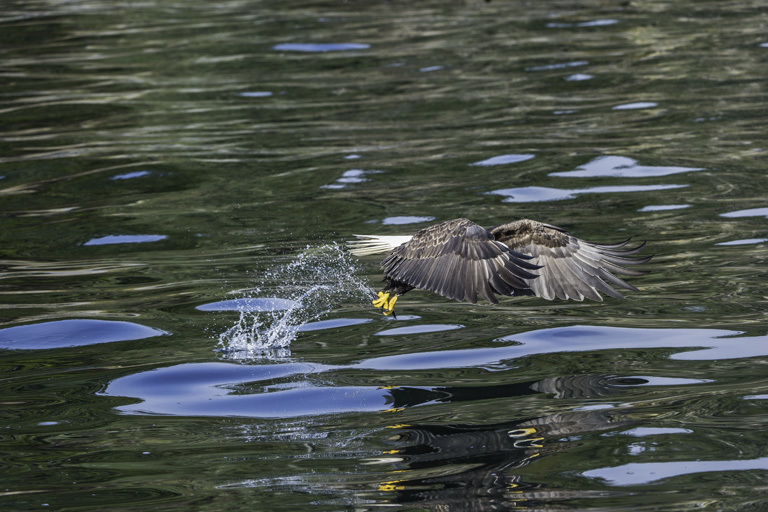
[460,260]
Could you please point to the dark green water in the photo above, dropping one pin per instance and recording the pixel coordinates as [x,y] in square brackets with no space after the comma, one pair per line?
[159,160]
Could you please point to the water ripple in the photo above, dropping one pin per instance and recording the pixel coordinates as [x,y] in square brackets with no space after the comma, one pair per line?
[648,472]
[535,194]
[249,304]
[621,167]
[663,207]
[125,239]
[405,219]
[753,212]
[712,344]
[503,160]
[72,333]
[320,47]
[419,329]
[639,105]
[560,65]
[744,241]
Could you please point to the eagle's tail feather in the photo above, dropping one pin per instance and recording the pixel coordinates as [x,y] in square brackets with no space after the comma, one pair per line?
[375,244]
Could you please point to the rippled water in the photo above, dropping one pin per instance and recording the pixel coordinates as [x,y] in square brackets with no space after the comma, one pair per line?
[179,328]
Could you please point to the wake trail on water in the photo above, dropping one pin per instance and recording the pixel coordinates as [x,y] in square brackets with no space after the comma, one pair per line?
[303,290]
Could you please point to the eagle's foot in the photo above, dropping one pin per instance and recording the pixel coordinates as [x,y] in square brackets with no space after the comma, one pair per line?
[382,300]
[385,302]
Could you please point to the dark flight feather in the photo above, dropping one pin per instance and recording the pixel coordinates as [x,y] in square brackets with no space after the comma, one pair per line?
[571,268]
[461,260]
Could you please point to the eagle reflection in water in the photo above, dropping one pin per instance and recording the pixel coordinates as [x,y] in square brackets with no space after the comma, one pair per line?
[463,468]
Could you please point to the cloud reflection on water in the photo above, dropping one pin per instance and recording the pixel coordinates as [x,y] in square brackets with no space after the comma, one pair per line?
[72,333]
[320,47]
[539,194]
[125,239]
[350,177]
[503,160]
[208,388]
[621,167]
[752,212]
[648,472]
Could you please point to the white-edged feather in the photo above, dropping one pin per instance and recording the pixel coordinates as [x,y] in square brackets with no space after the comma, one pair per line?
[375,244]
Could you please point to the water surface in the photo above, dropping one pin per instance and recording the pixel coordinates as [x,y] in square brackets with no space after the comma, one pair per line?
[180,328]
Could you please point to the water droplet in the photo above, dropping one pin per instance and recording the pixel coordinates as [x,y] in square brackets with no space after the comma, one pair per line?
[314,283]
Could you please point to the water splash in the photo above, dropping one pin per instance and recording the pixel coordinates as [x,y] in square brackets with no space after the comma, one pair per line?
[315,283]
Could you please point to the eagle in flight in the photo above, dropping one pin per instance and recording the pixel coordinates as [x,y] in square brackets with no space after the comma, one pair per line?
[460,260]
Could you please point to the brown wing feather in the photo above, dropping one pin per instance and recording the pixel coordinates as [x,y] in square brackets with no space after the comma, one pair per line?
[460,260]
[571,268]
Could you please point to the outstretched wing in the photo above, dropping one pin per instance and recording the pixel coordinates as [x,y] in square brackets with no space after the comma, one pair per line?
[459,259]
[571,268]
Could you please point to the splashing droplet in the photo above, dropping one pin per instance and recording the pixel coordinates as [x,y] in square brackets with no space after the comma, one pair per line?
[310,286]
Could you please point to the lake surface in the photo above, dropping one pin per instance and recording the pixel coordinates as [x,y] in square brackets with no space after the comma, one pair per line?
[181,329]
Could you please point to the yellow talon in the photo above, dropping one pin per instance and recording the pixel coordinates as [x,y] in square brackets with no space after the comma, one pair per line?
[389,308]
[382,300]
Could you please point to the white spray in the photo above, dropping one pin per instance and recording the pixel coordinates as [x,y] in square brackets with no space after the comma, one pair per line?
[310,286]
